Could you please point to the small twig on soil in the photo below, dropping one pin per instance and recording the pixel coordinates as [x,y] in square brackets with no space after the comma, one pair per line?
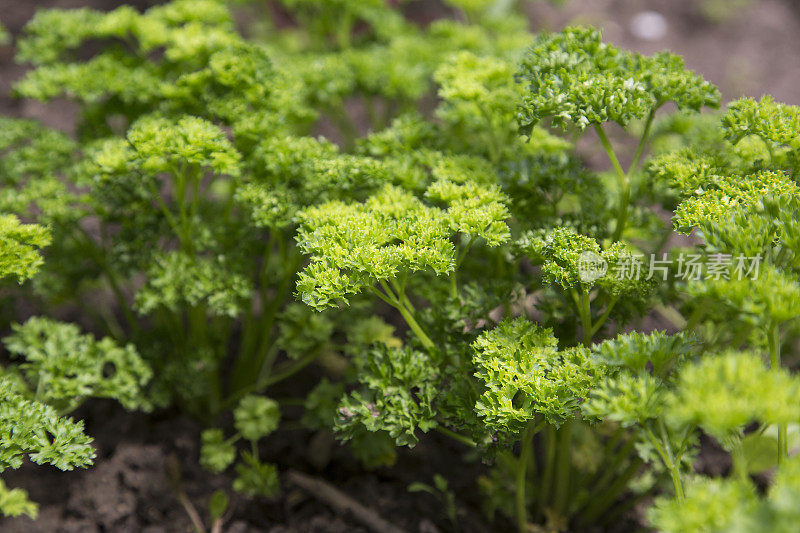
[173,473]
[194,516]
[341,502]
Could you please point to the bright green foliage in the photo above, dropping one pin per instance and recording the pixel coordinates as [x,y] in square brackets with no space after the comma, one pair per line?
[496,187]
[772,298]
[713,505]
[160,144]
[256,417]
[194,194]
[53,32]
[398,396]
[33,158]
[291,172]
[472,6]
[779,512]
[473,210]
[391,235]
[19,247]
[65,367]
[627,399]
[336,18]
[774,123]
[656,353]
[526,375]
[34,430]
[717,197]
[724,393]
[480,98]
[256,478]
[216,453]
[639,367]
[575,78]
[733,505]
[562,251]
[206,68]
[177,279]
[15,502]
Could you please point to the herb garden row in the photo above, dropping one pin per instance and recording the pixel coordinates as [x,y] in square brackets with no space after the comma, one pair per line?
[359,226]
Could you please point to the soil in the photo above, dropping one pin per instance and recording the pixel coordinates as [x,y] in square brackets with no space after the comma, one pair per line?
[144,462]
[134,486]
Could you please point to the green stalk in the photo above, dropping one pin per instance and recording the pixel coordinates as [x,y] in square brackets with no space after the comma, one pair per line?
[739,462]
[460,259]
[265,355]
[463,253]
[599,482]
[494,145]
[453,286]
[526,445]
[643,140]
[344,30]
[456,436]
[94,251]
[602,319]
[696,317]
[291,369]
[258,352]
[563,467]
[774,341]
[664,449]
[415,327]
[400,302]
[549,465]
[603,501]
[585,313]
[622,179]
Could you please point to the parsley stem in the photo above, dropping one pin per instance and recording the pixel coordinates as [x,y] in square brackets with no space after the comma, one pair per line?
[526,445]
[696,317]
[291,368]
[602,319]
[774,341]
[415,327]
[643,141]
[622,179]
[674,461]
[585,315]
[463,439]
[603,501]
[400,302]
[662,446]
[563,469]
[383,297]
[551,448]
[98,256]
[601,483]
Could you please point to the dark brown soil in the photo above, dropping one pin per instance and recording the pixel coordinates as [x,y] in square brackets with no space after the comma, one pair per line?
[132,487]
